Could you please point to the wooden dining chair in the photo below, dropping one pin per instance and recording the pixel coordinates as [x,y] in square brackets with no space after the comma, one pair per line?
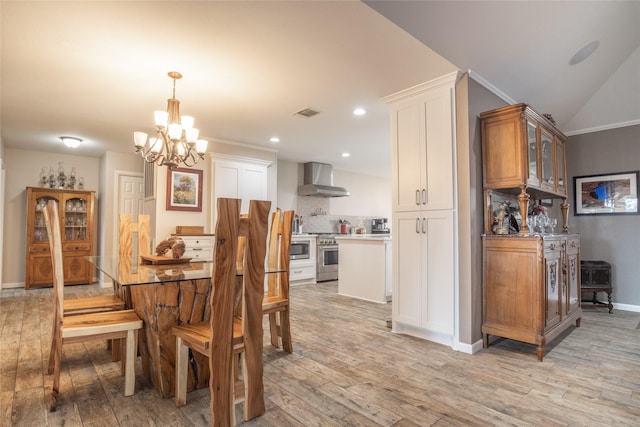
[232,330]
[276,300]
[121,324]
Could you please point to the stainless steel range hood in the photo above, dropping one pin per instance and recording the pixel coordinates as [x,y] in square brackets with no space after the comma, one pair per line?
[318,181]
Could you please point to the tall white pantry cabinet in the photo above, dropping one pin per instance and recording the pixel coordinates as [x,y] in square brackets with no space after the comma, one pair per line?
[424,210]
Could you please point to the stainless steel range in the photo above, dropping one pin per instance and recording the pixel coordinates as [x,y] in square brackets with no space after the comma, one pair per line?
[327,259]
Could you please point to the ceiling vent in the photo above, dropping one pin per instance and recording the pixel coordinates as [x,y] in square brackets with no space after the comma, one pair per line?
[306,112]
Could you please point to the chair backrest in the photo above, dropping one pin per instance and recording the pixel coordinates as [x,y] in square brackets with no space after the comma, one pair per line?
[52,223]
[279,253]
[229,227]
[128,229]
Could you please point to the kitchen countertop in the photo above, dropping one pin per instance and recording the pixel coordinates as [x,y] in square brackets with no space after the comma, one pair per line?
[379,237]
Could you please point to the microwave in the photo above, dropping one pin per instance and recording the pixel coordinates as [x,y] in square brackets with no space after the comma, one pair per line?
[300,249]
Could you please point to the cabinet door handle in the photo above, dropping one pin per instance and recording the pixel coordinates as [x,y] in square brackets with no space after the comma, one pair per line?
[418,197]
[424,226]
[424,196]
[418,225]
[552,247]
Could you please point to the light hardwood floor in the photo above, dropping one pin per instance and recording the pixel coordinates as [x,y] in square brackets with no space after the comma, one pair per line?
[347,369]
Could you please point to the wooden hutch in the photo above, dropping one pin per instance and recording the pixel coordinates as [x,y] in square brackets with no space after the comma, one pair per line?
[531,282]
[75,210]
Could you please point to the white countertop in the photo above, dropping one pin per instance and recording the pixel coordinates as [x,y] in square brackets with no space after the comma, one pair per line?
[377,237]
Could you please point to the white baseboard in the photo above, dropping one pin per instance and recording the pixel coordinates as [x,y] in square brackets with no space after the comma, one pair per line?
[626,307]
[12,285]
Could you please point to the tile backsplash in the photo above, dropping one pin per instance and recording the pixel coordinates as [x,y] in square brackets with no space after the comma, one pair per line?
[316,219]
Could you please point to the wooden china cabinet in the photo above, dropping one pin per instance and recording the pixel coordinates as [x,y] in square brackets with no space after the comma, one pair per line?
[531,282]
[75,210]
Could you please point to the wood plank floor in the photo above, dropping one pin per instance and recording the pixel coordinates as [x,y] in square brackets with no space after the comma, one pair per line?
[347,369]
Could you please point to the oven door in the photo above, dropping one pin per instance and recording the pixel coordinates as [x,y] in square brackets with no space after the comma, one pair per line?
[327,263]
[300,249]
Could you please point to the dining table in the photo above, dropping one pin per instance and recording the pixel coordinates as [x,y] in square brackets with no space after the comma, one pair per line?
[165,295]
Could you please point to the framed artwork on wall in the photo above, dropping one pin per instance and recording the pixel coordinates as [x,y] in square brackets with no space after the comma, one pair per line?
[184,190]
[606,194]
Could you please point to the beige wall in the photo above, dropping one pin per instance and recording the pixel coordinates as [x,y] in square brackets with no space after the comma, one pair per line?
[611,238]
[22,170]
[471,100]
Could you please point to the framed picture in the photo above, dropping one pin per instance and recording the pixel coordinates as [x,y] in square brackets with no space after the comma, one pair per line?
[184,190]
[607,194]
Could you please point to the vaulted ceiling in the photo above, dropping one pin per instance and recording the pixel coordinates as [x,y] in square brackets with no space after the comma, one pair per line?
[98,70]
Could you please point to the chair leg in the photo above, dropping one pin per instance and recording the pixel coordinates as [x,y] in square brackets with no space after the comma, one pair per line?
[274,329]
[56,358]
[182,367]
[285,330]
[129,362]
[54,338]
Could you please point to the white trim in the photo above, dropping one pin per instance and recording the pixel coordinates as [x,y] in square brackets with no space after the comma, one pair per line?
[491,88]
[445,80]
[623,307]
[231,157]
[242,144]
[15,285]
[603,127]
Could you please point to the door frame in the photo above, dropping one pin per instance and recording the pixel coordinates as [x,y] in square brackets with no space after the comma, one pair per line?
[116,203]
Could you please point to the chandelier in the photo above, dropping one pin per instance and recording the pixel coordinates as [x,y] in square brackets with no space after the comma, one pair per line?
[176,140]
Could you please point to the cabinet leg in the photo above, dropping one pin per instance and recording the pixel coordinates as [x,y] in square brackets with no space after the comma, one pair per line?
[540,352]
[485,340]
[610,304]
[578,321]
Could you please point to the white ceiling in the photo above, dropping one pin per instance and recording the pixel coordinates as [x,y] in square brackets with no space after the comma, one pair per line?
[97,70]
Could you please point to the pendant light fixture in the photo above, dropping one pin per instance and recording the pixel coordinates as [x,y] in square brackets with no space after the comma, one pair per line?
[175,141]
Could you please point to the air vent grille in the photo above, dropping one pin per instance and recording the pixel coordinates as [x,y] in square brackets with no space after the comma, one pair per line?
[306,112]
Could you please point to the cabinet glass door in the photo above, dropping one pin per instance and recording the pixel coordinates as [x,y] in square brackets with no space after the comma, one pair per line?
[39,227]
[75,219]
[560,168]
[546,145]
[532,153]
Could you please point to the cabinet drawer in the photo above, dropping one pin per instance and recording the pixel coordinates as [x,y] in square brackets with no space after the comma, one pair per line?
[198,242]
[199,254]
[75,247]
[573,245]
[302,272]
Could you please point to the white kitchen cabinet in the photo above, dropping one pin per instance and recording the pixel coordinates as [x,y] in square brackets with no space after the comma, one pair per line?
[424,274]
[303,271]
[422,141]
[424,220]
[240,178]
[365,267]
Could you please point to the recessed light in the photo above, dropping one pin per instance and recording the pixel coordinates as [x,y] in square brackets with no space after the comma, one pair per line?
[345,154]
[274,139]
[584,52]
[359,112]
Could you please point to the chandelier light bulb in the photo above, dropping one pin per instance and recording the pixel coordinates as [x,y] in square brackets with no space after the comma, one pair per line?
[139,139]
[201,146]
[161,118]
[191,134]
[187,122]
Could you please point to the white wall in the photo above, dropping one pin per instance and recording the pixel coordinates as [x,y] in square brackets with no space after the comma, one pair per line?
[370,197]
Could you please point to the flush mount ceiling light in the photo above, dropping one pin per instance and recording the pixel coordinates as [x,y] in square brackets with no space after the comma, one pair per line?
[176,140]
[584,52]
[71,141]
[359,112]
[274,139]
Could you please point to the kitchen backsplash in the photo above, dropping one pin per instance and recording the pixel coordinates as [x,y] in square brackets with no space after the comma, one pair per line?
[316,218]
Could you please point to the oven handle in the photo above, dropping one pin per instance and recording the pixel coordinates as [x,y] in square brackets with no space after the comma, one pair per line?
[330,247]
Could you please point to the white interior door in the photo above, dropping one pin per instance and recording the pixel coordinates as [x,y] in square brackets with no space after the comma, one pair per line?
[130,200]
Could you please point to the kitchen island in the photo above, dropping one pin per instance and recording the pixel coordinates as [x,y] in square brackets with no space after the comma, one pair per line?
[365,266]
